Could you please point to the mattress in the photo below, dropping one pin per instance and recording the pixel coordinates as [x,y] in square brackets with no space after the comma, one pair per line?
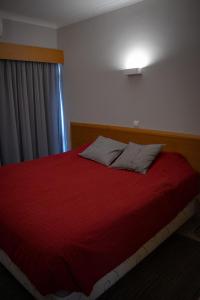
[66,221]
[112,277]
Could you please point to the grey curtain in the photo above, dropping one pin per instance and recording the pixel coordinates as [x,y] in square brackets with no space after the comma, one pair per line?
[30,110]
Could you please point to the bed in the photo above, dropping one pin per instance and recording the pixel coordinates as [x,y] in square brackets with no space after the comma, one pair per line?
[71,227]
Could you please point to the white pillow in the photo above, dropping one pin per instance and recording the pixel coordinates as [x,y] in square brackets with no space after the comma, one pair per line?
[103,150]
[137,157]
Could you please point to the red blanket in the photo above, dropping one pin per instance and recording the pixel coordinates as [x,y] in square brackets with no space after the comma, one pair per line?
[67,221]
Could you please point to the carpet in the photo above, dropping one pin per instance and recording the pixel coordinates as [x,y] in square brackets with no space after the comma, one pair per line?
[172,272]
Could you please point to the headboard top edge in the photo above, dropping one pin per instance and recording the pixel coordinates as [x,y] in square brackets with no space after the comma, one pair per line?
[171,134]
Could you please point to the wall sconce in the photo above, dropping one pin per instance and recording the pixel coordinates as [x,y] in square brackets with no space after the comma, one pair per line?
[135,62]
[133,71]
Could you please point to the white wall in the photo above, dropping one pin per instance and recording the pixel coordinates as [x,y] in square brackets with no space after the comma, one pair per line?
[166,97]
[28,34]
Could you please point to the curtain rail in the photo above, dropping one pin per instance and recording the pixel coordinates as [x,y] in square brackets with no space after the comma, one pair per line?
[30,53]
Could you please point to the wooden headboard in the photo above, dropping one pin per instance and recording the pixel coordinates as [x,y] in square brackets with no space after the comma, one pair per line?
[186,144]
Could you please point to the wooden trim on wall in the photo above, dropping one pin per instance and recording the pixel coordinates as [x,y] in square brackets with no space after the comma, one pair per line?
[186,144]
[30,53]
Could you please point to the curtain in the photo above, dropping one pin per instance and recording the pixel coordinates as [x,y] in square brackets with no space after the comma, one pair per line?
[30,110]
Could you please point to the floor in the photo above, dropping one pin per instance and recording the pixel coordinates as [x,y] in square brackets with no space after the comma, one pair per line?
[172,272]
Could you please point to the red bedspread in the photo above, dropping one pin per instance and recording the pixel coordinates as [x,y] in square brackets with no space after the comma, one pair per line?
[67,221]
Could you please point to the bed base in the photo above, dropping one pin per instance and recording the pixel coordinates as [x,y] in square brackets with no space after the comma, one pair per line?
[112,277]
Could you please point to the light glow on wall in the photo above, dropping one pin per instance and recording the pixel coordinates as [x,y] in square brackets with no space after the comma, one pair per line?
[137,58]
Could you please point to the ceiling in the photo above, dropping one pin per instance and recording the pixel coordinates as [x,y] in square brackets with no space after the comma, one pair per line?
[58,13]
